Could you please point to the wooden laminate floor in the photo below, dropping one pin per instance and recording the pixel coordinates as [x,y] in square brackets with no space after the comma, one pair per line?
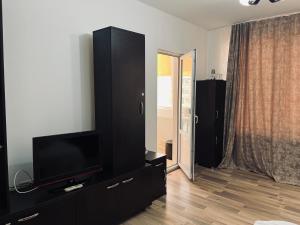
[222,197]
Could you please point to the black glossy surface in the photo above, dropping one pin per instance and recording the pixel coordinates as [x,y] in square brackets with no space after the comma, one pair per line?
[119,77]
[210,100]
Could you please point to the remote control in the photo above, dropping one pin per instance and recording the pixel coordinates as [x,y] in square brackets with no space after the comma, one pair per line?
[72,188]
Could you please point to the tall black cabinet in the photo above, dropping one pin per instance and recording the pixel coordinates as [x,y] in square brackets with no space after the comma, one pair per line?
[210,103]
[119,77]
[3,151]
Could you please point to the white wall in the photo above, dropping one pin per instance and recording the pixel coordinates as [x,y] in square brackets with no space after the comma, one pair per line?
[48,64]
[164,128]
[217,51]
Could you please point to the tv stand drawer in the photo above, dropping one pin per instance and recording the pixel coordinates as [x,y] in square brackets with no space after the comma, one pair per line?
[59,211]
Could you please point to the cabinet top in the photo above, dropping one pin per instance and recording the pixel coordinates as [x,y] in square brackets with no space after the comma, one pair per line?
[111,28]
[151,156]
[210,81]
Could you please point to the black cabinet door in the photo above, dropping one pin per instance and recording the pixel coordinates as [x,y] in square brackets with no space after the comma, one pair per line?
[128,69]
[6,221]
[205,138]
[159,180]
[62,212]
[158,174]
[98,205]
[30,217]
[220,108]
[119,77]
[133,193]
[210,100]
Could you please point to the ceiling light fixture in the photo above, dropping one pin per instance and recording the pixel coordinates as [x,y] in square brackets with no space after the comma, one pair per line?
[244,2]
[254,2]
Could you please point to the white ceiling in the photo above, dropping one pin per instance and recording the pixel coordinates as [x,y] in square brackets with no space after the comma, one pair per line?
[212,14]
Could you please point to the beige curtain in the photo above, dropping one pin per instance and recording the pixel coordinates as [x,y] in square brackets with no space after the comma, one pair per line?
[267,118]
[237,65]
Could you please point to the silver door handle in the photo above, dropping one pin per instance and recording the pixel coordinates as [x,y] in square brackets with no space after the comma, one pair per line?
[141,108]
[158,165]
[113,186]
[28,218]
[196,119]
[127,181]
[217,112]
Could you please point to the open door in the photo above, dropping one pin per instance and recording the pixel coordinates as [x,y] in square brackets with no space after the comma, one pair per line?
[186,136]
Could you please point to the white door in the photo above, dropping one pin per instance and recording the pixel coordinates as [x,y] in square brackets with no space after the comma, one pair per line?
[186,116]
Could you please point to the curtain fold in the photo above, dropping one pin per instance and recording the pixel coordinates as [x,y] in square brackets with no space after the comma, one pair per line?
[236,67]
[263,101]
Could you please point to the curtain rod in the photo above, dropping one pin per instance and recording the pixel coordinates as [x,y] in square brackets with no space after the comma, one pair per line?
[259,19]
[270,17]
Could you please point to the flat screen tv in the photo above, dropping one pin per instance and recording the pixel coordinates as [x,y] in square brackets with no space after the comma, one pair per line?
[63,157]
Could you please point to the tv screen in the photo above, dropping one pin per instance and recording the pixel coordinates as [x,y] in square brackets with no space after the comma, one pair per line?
[61,157]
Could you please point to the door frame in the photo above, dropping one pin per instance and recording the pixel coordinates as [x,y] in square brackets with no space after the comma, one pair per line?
[175,106]
[176,109]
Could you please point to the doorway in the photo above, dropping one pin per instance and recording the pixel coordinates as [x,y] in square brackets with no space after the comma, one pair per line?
[167,105]
[176,110]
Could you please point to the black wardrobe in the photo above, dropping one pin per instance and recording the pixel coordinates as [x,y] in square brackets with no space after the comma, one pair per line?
[210,103]
[119,70]
[3,151]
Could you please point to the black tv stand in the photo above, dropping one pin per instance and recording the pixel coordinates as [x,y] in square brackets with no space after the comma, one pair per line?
[104,199]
